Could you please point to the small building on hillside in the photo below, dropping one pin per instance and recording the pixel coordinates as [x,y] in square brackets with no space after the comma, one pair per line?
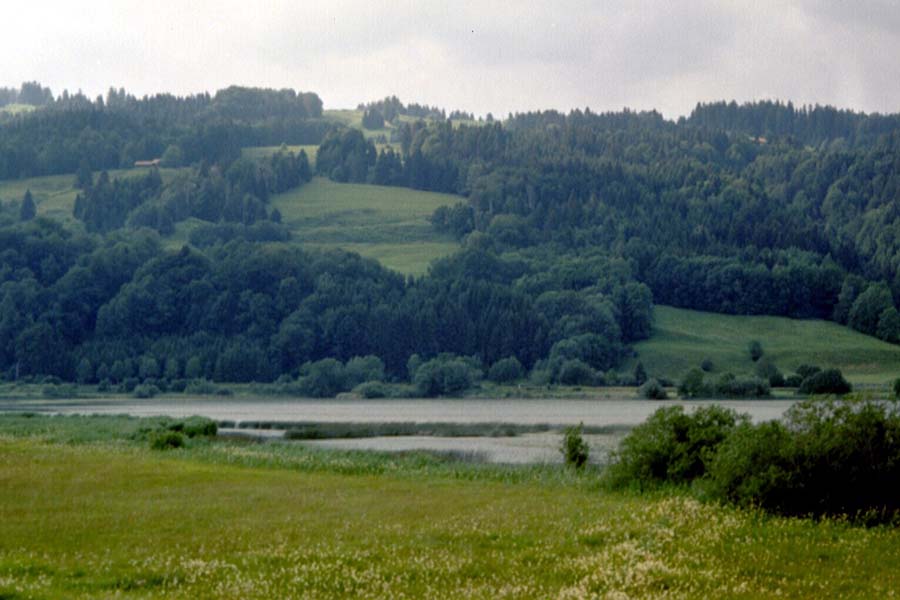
[147,163]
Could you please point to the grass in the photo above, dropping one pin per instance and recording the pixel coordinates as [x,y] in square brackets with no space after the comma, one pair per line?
[681,339]
[54,195]
[385,223]
[105,518]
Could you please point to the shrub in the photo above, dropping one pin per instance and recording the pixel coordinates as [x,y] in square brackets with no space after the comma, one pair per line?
[834,457]
[178,385]
[756,350]
[165,440]
[576,372]
[104,386]
[707,364]
[805,371]
[766,370]
[729,386]
[360,369]
[201,387]
[672,446]
[829,381]
[506,370]
[896,388]
[145,391]
[793,381]
[128,384]
[445,375]
[652,390]
[640,374]
[324,378]
[371,389]
[692,385]
[574,449]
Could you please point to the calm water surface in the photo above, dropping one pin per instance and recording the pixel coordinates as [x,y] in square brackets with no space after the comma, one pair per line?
[527,448]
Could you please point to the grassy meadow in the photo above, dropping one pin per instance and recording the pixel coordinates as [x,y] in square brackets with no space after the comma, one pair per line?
[681,339]
[101,515]
[388,224]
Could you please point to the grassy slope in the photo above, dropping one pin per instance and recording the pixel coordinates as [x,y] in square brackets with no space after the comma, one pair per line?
[683,338]
[386,223]
[224,520]
[54,195]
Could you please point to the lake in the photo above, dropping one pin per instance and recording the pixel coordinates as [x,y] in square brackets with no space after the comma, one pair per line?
[526,448]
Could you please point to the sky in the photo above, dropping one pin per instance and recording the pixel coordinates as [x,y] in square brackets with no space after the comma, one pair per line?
[483,56]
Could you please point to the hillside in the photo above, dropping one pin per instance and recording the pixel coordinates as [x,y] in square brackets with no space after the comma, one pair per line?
[681,339]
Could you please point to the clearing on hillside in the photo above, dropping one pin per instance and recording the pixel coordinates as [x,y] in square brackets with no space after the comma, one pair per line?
[681,339]
[389,224]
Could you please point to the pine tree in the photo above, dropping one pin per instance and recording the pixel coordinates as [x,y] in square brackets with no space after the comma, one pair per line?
[28,210]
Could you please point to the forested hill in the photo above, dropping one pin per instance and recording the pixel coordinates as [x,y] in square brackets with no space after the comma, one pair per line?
[572,226]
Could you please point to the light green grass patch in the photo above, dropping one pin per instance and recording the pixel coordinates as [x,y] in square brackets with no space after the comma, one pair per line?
[681,339]
[387,223]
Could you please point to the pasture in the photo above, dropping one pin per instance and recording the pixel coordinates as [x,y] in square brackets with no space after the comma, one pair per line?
[103,515]
[681,339]
[388,224]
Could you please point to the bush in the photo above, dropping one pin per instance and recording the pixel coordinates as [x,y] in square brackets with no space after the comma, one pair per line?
[729,386]
[444,375]
[145,391]
[576,372]
[639,374]
[128,384]
[200,387]
[805,371]
[692,385]
[506,370]
[793,381]
[104,386]
[165,440]
[652,390]
[756,350]
[829,381]
[707,365]
[767,371]
[896,388]
[830,457]
[672,446]
[371,389]
[574,449]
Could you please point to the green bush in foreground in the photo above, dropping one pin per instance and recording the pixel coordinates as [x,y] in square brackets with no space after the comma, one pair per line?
[672,446]
[167,440]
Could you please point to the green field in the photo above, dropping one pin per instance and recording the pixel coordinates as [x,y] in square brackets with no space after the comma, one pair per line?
[110,517]
[386,223]
[681,339]
[54,195]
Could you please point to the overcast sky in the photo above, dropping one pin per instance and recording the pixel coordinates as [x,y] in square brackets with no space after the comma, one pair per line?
[479,56]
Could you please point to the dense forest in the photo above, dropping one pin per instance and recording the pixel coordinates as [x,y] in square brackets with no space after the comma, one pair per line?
[573,225]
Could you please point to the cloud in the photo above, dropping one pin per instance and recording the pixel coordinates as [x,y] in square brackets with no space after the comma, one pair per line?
[479,56]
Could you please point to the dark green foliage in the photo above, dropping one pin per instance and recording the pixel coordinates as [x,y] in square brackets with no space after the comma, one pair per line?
[371,389]
[829,381]
[346,155]
[27,210]
[805,371]
[167,440]
[828,458]
[793,380]
[640,375]
[756,350]
[730,386]
[767,371]
[145,391]
[324,378]
[576,372]
[707,365]
[506,370]
[444,376]
[868,307]
[372,119]
[672,446]
[692,384]
[574,449]
[652,390]
[895,388]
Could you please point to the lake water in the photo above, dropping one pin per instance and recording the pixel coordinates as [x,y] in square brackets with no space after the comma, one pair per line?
[526,448]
